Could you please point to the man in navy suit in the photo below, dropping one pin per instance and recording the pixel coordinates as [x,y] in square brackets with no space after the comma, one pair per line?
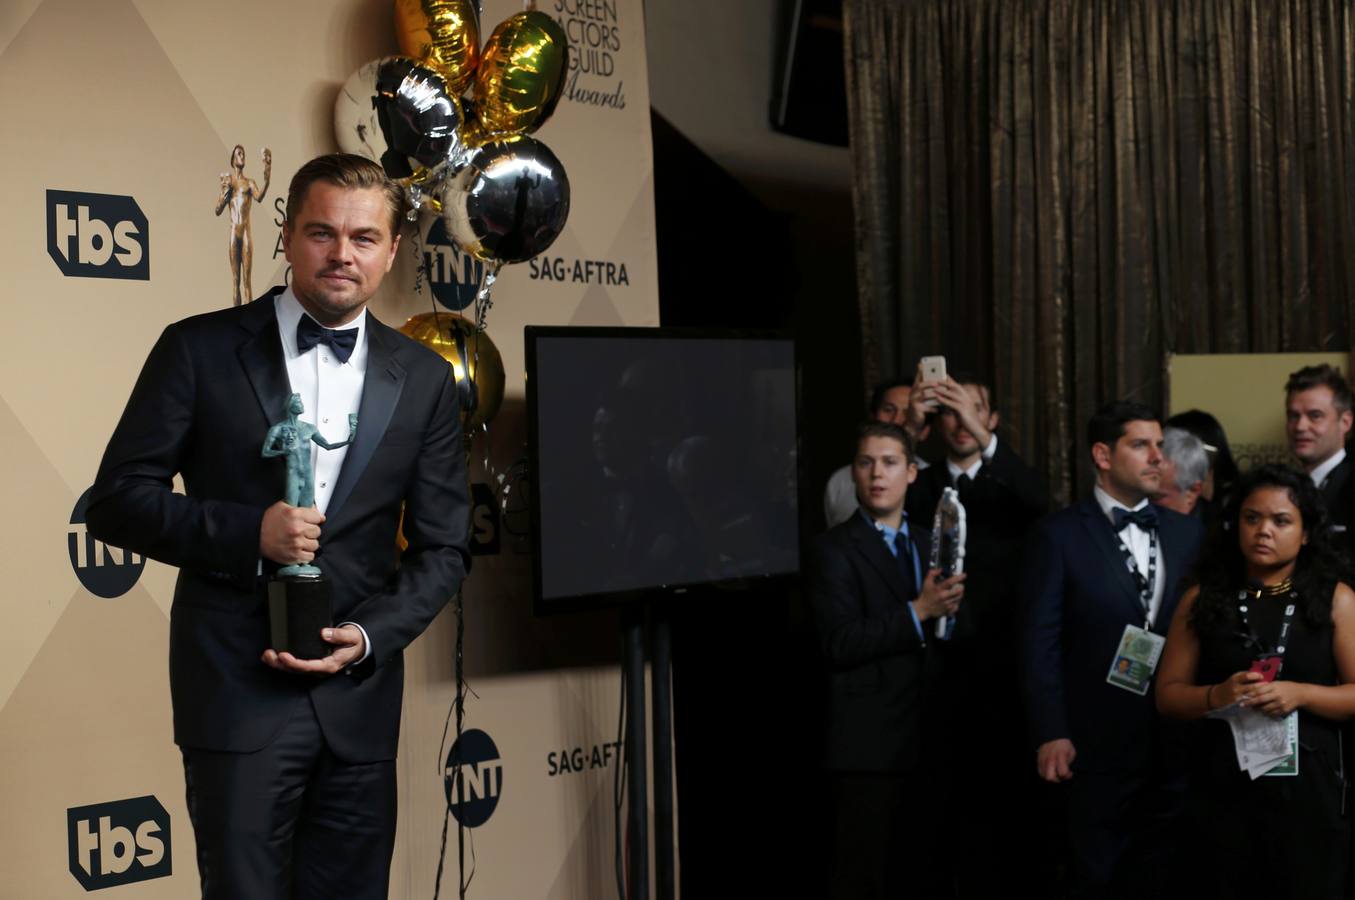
[876,609]
[1094,571]
[1002,499]
[290,763]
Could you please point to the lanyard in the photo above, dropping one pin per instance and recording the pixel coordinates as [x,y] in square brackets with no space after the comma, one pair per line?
[1146,584]
[1285,624]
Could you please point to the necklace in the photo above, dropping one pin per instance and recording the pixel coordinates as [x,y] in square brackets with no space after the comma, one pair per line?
[1271,590]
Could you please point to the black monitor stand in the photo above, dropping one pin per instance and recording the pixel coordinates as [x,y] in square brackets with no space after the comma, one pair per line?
[633,631]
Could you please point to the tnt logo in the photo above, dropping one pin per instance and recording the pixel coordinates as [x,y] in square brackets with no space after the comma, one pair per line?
[473,796]
[484,539]
[453,275]
[118,843]
[98,236]
[103,570]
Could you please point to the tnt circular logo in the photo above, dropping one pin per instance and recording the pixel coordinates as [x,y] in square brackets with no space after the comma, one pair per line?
[103,570]
[473,795]
[454,276]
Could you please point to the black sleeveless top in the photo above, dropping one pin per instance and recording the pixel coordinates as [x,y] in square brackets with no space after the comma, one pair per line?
[1308,658]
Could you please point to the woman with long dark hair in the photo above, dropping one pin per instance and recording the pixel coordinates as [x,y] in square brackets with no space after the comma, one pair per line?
[1269,595]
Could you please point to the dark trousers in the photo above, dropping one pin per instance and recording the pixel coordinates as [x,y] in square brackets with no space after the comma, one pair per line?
[886,837]
[1124,833]
[291,820]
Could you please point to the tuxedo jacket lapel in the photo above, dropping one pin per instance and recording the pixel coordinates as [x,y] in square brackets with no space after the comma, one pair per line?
[263,359]
[1101,534]
[381,388]
[1173,544]
[872,546]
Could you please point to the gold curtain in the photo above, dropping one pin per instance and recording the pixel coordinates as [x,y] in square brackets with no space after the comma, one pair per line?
[1059,193]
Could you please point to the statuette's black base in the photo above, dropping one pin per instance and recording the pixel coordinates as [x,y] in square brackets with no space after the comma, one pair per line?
[298,607]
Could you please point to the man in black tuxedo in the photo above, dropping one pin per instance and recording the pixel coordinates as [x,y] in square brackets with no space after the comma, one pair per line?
[875,609]
[1317,422]
[290,763]
[1002,498]
[1107,564]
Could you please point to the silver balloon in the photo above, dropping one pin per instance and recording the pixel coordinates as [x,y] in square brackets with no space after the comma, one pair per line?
[398,113]
[509,202]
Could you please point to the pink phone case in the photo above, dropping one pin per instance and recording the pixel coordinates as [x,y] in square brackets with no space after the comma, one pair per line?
[1269,667]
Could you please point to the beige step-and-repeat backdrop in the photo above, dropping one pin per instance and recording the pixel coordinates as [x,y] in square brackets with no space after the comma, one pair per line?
[1245,392]
[118,119]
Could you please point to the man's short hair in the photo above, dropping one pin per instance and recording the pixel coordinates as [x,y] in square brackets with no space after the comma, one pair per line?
[1187,452]
[877,394]
[1326,376]
[349,171]
[1106,426]
[886,430]
[964,378]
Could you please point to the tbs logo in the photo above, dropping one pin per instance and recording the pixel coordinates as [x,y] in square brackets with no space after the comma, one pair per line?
[103,570]
[118,843]
[473,796]
[454,276]
[98,236]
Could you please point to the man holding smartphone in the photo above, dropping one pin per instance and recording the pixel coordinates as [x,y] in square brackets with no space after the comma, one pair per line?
[1002,498]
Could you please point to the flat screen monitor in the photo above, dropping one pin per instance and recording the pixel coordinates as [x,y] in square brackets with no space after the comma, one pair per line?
[662,459]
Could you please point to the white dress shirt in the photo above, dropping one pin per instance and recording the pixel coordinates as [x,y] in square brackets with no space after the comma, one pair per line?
[973,470]
[1137,540]
[1320,474]
[330,391]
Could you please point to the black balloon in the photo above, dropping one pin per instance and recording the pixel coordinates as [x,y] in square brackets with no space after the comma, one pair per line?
[509,202]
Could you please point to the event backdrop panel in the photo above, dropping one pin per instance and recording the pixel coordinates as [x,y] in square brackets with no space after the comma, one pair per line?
[121,119]
[1245,392]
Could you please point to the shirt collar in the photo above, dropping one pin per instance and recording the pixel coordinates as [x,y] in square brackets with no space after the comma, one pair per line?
[889,533]
[289,312]
[955,471]
[1108,503]
[1320,474]
[973,471]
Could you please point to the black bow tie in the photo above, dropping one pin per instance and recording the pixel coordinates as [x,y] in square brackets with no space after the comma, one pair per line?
[309,333]
[1145,518]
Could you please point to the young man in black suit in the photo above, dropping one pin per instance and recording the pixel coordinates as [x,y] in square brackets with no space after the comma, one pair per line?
[1102,572]
[875,607]
[1002,498]
[290,763]
[889,402]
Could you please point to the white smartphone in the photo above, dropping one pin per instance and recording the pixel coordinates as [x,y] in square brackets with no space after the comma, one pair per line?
[933,368]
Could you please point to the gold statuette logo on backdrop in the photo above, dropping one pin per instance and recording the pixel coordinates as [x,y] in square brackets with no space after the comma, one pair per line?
[239,193]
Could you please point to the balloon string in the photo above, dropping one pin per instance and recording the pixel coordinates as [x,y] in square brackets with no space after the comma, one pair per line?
[483,301]
[421,267]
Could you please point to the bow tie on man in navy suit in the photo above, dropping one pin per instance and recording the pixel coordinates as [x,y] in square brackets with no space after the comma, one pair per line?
[340,340]
[1144,517]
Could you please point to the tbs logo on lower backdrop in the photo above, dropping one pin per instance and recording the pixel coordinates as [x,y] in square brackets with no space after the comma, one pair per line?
[98,236]
[118,843]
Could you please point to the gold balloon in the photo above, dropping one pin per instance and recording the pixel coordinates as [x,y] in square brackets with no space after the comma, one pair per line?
[443,35]
[439,332]
[521,73]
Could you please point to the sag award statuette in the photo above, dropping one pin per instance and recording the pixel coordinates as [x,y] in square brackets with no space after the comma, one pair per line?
[299,594]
